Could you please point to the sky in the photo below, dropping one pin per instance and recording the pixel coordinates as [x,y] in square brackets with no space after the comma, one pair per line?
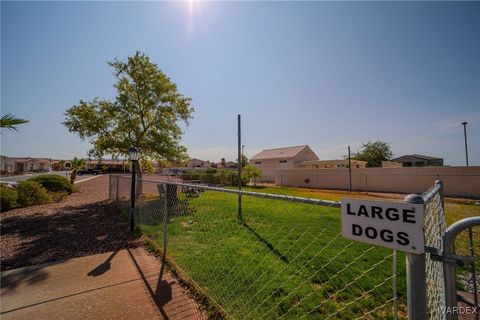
[326,74]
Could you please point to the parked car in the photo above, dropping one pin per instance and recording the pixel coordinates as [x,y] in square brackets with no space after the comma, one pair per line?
[89,171]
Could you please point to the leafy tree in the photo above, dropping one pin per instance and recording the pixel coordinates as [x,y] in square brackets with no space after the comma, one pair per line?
[374,153]
[147,165]
[144,114]
[9,121]
[244,160]
[251,173]
[223,162]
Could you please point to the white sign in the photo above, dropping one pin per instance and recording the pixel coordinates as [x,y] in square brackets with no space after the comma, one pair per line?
[395,225]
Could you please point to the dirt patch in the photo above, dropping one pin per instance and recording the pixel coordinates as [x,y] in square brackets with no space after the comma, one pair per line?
[82,224]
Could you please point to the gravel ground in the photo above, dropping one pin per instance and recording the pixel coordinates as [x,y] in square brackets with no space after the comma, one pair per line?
[84,223]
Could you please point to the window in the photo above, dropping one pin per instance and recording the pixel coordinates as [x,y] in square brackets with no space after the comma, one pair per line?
[258,162]
[282,161]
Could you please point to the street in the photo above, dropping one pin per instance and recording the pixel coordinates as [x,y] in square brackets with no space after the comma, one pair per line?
[30,175]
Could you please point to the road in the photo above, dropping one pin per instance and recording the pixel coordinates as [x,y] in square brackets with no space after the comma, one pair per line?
[28,176]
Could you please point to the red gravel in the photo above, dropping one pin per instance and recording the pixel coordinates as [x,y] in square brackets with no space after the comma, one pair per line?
[84,223]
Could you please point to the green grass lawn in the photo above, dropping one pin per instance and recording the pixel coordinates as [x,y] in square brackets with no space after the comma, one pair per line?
[284,261]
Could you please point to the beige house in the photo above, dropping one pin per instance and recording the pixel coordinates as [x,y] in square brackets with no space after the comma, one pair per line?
[281,158]
[197,163]
[24,164]
[418,160]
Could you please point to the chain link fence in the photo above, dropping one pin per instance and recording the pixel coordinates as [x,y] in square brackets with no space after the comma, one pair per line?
[434,229]
[283,257]
[280,258]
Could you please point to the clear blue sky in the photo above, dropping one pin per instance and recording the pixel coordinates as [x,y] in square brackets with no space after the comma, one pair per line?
[326,74]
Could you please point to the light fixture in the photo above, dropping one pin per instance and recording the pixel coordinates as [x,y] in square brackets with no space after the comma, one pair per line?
[133,154]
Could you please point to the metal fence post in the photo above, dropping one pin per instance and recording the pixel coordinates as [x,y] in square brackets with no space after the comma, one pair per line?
[239,173]
[162,189]
[416,284]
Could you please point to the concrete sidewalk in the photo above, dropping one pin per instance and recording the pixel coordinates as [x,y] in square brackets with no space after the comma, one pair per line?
[113,285]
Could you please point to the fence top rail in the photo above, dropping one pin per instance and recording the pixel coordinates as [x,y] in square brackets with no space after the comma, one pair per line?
[319,202]
[427,196]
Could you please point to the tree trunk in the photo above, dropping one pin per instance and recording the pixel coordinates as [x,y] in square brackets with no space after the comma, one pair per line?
[73,176]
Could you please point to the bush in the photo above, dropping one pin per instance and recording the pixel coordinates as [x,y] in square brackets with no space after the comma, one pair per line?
[251,173]
[220,177]
[8,198]
[31,193]
[53,182]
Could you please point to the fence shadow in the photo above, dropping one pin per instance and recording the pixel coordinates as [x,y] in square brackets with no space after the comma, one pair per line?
[162,294]
[269,246]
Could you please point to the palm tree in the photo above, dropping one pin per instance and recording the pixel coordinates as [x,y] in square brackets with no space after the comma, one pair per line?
[77,164]
[9,121]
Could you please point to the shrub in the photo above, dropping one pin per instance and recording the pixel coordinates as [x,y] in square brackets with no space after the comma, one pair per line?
[8,198]
[251,173]
[221,177]
[53,182]
[31,193]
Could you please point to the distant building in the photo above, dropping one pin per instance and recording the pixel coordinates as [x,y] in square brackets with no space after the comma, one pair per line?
[281,158]
[417,160]
[230,164]
[59,164]
[24,164]
[197,163]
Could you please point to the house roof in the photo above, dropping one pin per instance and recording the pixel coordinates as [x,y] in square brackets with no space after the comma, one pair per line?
[419,156]
[27,159]
[287,152]
[195,159]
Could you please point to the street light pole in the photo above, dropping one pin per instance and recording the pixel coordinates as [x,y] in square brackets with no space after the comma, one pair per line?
[465,134]
[133,154]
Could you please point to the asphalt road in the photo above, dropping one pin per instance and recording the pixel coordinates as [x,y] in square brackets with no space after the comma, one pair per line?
[60,173]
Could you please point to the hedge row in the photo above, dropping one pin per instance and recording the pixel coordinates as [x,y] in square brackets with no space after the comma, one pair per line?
[214,176]
[37,190]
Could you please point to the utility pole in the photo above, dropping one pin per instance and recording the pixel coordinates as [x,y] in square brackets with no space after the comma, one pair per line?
[239,177]
[465,134]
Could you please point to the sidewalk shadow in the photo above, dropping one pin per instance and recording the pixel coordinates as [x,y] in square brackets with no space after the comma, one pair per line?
[31,275]
[162,294]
